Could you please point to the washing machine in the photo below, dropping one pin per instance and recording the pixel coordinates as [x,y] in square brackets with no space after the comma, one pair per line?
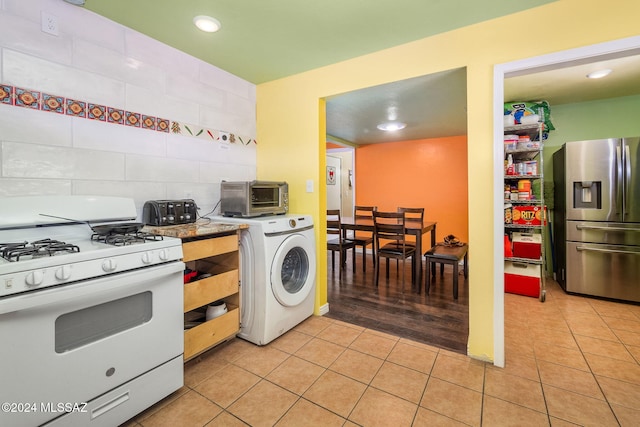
[277,274]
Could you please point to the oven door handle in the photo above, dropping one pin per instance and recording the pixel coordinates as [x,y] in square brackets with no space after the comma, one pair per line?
[97,288]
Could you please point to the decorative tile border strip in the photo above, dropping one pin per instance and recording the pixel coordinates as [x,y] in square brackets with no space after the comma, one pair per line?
[27,98]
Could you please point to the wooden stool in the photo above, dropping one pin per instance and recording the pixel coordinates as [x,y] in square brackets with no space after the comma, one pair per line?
[446,255]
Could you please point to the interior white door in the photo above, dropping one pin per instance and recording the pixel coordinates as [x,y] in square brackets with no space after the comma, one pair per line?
[334,182]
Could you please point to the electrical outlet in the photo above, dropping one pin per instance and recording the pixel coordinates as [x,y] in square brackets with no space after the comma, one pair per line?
[49,23]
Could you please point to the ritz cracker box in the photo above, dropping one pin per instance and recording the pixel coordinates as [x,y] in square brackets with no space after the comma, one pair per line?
[527,215]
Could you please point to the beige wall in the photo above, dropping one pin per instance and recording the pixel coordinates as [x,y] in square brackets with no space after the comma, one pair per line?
[291,123]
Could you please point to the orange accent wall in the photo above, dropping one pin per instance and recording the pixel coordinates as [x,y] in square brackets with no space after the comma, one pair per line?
[429,173]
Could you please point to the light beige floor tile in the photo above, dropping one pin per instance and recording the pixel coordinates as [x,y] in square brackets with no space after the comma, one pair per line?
[382,334]
[572,358]
[577,408]
[453,401]
[307,414]
[349,325]
[419,345]
[263,361]
[225,419]
[464,372]
[228,385]
[620,392]
[339,334]
[290,342]
[612,309]
[359,366]
[374,344]
[627,417]
[514,389]
[554,337]
[377,408]
[498,413]
[557,422]
[400,381]
[202,367]
[190,409]
[295,374]
[234,349]
[612,349]
[634,350]
[336,393]
[415,357]
[612,368]
[263,405]
[628,338]
[428,418]
[618,323]
[593,330]
[313,325]
[320,352]
[519,365]
[571,379]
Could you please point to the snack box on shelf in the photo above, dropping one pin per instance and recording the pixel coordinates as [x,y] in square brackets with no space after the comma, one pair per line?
[527,215]
[527,245]
[521,278]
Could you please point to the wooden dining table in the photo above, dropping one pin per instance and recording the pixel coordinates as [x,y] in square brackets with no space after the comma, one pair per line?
[413,228]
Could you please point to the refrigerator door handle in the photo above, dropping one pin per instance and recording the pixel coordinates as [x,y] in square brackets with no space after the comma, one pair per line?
[619,182]
[602,228]
[627,179]
[611,251]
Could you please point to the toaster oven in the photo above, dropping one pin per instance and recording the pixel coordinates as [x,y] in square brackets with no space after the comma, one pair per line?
[254,198]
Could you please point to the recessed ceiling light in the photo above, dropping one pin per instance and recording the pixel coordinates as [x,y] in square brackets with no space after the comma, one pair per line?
[599,74]
[391,126]
[207,23]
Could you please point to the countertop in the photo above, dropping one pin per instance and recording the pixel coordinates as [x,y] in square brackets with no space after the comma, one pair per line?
[199,228]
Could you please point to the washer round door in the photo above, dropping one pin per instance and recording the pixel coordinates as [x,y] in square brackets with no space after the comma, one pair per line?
[293,271]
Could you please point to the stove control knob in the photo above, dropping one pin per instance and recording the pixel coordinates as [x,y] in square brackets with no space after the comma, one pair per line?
[163,254]
[147,257]
[63,273]
[109,265]
[35,278]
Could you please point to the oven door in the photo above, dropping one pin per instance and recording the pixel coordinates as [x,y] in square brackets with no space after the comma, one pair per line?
[71,344]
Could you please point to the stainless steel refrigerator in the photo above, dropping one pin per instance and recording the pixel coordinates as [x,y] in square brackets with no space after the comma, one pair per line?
[597,217]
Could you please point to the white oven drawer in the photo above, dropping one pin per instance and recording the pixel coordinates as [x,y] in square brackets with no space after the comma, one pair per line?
[74,343]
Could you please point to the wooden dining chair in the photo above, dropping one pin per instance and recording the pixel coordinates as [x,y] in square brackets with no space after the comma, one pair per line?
[417,215]
[390,241]
[364,214]
[339,244]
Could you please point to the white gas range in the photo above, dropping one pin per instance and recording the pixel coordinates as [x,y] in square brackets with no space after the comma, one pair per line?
[91,319]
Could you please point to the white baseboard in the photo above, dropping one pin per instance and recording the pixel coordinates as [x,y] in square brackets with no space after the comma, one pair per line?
[324,309]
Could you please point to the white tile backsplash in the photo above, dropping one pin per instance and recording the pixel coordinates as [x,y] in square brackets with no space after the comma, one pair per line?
[42,127]
[30,72]
[96,135]
[96,60]
[40,161]
[10,187]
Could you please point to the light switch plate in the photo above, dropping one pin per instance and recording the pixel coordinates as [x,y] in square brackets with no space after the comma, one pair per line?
[309,186]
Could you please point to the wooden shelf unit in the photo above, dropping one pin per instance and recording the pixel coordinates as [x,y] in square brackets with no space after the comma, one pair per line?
[216,255]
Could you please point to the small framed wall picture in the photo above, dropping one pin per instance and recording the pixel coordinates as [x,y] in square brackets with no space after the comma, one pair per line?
[331,175]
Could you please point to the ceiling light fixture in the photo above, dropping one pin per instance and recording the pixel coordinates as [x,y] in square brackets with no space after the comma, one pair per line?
[207,23]
[391,126]
[599,74]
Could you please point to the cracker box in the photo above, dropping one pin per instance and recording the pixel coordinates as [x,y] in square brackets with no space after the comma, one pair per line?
[527,245]
[522,279]
[527,215]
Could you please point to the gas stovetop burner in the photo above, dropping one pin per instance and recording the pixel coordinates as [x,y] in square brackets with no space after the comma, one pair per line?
[122,239]
[35,249]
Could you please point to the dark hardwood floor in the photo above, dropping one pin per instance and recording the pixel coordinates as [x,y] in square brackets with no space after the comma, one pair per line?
[435,319]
